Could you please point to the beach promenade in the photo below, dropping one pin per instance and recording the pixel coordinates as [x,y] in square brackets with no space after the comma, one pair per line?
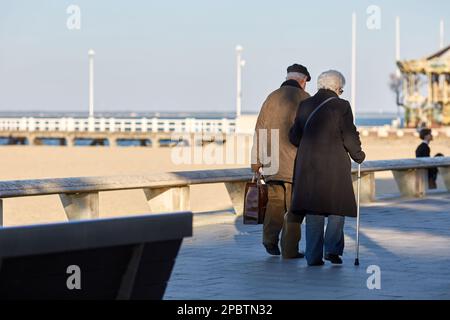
[409,240]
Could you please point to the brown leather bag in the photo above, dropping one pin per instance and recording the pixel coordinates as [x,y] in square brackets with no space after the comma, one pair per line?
[255,203]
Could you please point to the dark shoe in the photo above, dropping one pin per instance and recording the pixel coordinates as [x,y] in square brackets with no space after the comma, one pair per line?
[333,258]
[316,264]
[299,255]
[273,250]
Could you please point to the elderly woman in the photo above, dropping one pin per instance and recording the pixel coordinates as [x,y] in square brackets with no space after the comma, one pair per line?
[326,136]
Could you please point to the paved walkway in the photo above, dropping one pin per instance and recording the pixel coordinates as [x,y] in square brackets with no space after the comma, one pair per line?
[408,239]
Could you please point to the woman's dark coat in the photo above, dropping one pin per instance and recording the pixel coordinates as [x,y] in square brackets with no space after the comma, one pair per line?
[322,174]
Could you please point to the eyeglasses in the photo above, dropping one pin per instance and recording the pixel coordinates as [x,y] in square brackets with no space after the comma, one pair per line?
[341,91]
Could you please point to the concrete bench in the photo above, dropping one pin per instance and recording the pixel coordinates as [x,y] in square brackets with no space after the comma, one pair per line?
[409,174]
[169,192]
[165,192]
[120,258]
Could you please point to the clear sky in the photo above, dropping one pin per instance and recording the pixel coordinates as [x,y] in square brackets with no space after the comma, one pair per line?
[179,55]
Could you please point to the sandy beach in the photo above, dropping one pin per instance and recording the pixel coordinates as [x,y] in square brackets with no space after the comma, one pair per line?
[33,162]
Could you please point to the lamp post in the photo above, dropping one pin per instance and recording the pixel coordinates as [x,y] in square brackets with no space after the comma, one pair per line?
[397,58]
[239,64]
[397,44]
[91,55]
[353,84]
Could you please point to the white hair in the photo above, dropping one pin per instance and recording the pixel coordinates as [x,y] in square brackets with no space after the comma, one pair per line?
[331,80]
[296,76]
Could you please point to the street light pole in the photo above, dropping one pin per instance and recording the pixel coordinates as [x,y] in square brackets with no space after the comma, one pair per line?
[397,58]
[353,97]
[397,44]
[239,64]
[91,55]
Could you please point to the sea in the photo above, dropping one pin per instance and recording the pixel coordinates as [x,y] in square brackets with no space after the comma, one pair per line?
[362,120]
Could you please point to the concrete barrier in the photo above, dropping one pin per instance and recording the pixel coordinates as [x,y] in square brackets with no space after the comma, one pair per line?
[121,258]
[168,192]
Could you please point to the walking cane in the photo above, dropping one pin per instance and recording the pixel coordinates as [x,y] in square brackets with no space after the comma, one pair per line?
[358,191]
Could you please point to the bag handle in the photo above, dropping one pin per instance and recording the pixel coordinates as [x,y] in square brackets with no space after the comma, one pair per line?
[317,109]
[259,175]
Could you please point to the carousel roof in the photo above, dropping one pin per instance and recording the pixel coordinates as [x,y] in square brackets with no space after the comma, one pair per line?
[443,53]
[438,62]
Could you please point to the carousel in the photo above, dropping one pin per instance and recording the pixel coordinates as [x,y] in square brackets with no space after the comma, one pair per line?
[424,90]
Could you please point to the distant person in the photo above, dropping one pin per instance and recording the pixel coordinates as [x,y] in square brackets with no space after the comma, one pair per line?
[326,137]
[278,113]
[424,151]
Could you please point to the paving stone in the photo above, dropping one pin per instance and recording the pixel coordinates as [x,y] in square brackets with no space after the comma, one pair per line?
[408,239]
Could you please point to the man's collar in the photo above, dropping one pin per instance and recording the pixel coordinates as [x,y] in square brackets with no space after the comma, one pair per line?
[426,142]
[291,83]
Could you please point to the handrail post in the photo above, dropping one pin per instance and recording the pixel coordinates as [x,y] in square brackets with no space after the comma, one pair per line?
[236,192]
[411,183]
[80,206]
[367,192]
[168,199]
[445,174]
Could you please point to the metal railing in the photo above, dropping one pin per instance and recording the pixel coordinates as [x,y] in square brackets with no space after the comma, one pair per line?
[188,125]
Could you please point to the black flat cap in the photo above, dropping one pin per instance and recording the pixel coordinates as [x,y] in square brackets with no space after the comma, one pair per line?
[300,69]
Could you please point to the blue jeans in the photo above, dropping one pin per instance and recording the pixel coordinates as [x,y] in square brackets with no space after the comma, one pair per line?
[334,237]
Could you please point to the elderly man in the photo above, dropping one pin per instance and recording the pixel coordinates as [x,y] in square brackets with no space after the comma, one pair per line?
[276,117]
[326,136]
